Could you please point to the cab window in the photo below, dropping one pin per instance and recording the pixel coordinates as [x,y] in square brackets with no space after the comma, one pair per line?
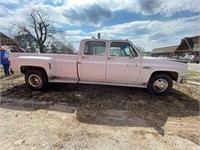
[96,48]
[122,49]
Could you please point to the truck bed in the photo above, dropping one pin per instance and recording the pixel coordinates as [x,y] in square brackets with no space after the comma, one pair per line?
[57,66]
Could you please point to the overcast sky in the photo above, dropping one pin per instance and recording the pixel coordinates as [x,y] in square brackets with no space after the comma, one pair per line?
[147,23]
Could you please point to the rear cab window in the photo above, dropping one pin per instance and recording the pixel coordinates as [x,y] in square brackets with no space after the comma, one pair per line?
[95,48]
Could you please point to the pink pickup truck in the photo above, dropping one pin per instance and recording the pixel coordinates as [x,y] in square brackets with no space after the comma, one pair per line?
[108,62]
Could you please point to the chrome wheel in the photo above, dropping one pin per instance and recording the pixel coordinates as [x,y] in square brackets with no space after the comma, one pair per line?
[35,80]
[160,85]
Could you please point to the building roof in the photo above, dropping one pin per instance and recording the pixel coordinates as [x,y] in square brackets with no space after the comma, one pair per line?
[189,43]
[5,40]
[168,49]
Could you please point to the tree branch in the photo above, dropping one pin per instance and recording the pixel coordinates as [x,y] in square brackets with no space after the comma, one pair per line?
[35,26]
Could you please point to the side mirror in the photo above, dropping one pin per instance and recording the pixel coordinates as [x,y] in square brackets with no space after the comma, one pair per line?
[131,56]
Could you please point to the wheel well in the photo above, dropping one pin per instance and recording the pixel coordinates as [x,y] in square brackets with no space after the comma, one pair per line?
[25,69]
[173,75]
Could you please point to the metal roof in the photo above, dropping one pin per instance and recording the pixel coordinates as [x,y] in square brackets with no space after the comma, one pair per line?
[168,49]
[190,42]
[186,44]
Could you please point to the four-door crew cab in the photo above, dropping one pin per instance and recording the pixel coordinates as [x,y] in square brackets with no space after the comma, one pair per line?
[108,62]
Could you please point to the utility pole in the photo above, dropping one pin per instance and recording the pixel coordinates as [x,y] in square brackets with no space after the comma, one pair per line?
[99,35]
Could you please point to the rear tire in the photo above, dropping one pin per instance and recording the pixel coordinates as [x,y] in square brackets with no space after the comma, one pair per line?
[36,79]
[160,84]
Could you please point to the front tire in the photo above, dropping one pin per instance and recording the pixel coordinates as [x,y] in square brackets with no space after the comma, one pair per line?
[36,80]
[160,84]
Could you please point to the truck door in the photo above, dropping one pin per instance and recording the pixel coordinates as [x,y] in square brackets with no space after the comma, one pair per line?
[123,63]
[92,62]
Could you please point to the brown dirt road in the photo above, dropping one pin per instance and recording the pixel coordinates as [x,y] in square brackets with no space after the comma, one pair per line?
[97,117]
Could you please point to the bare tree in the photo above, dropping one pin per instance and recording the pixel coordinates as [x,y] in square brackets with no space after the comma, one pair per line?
[38,27]
[140,48]
[27,42]
[62,47]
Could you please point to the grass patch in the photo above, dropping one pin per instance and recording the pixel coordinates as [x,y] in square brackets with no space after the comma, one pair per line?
[193,76]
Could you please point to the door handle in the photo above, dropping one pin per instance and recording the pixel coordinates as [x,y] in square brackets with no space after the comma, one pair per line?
[85,57]
[110,58]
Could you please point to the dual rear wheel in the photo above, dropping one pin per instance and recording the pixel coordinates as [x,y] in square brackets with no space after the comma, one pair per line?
[36,79]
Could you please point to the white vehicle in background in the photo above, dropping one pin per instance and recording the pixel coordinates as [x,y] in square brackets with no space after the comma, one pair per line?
[108,62]
[196,59]
[188,57]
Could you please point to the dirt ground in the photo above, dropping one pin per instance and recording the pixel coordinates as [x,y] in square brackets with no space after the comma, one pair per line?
[69,116]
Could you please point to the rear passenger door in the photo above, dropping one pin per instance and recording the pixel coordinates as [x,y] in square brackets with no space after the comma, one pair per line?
[93,61]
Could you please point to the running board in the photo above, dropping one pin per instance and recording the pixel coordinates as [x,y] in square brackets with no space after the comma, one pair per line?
[142,85]
[63,80]
[72,80]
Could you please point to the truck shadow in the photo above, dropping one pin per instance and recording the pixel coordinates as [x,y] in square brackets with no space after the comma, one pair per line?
[104,105]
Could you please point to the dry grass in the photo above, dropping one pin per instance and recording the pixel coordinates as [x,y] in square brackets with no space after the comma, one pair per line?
[193,76]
